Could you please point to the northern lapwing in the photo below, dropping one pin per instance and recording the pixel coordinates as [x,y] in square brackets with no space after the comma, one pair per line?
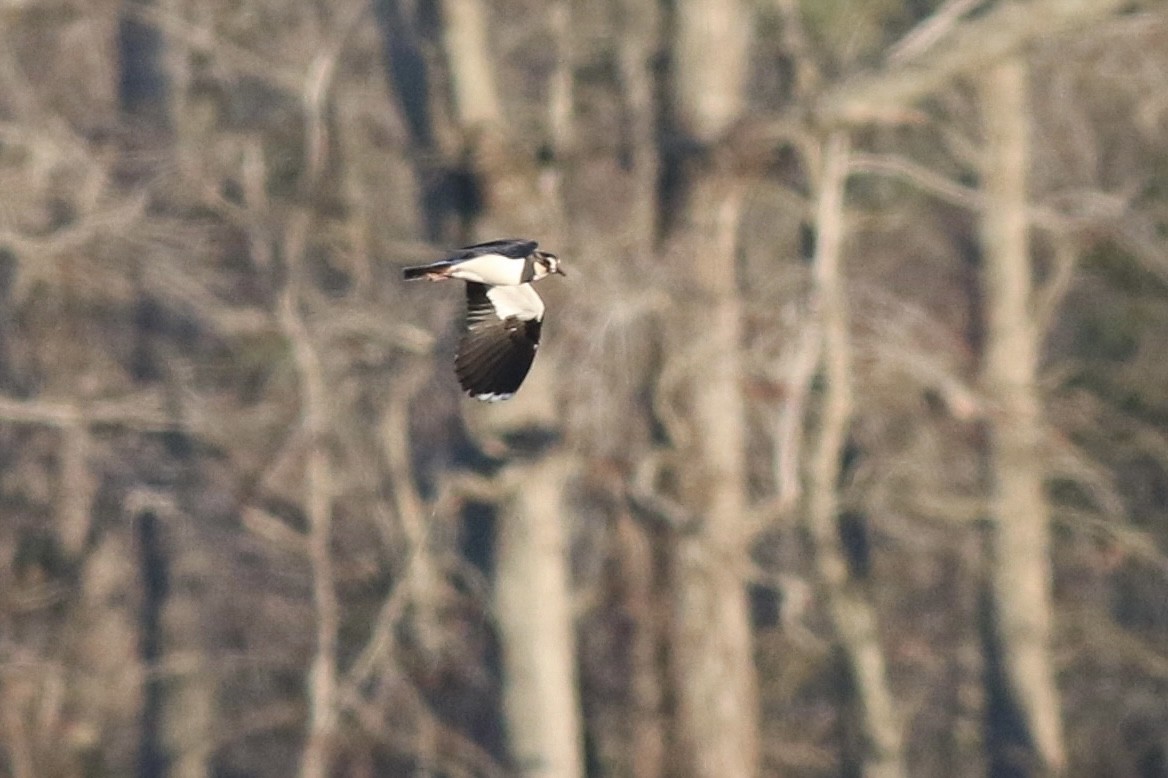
[503,313]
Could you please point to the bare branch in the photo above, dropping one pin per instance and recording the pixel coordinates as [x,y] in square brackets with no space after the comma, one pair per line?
[647,500]
[795,38]
[930,30]
[1021,572]
[1118,644]
[854,621]
[456,755]
[317,83]
[280,76]
[789,425]
[144,412]
[1050,295]
[921,176]
[319,490]
[891,95]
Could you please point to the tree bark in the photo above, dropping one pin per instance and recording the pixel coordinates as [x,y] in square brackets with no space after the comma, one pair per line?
[472,71]
[1021,564]
[105,671]
[181,685]
[717,694]
[646,735]
[533,604]
[533,611]
[713,656]
[852,616]
[712,55]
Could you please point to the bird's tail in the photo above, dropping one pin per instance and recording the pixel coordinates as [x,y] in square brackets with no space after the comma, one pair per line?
[421,271]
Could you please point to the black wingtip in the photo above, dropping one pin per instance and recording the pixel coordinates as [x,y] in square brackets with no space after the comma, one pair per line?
[492,362]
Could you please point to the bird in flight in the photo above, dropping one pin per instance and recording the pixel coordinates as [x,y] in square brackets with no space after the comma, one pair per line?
[503,313]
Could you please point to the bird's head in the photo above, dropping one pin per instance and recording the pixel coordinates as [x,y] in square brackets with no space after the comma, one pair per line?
[546,264]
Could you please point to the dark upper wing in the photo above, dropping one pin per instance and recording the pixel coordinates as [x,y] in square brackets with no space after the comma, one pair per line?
[495,354]
[516,248]
[478,305]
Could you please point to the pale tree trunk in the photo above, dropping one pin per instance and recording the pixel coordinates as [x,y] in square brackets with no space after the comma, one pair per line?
[646,735]
[712,56]
[713,658]
[638,48]
[533,605]
[105,672]
[717,695]
[190,704]
[987,46]
[969,752]
[1021,562]
[532,595]
[472,71]
[852,616]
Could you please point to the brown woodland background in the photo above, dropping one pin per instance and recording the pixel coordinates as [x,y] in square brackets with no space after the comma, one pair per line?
[846,453]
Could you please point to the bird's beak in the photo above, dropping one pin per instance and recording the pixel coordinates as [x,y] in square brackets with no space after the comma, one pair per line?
[560,271]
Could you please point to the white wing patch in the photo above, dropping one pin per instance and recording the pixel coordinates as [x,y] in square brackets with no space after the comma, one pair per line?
[494,397]
[521,301]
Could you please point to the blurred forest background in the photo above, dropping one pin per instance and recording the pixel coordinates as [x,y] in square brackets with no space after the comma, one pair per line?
[846,453]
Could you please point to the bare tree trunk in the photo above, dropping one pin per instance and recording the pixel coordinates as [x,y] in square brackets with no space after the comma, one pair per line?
[1021,563]
[533,601]
[105,671]
[646,737]
[969,753]
[853,617]
[712,53]
[713,657]
[717,694]
[472,71]
[639,44]
[533,604]
[180,689]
